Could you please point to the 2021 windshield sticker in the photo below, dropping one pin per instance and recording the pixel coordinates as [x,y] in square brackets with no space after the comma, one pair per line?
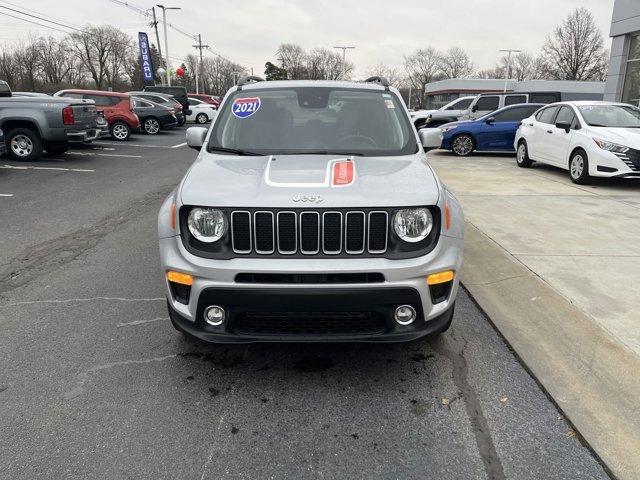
[245,107]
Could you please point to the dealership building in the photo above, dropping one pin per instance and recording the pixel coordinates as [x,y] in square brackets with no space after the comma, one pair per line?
[623,79]
[442,92]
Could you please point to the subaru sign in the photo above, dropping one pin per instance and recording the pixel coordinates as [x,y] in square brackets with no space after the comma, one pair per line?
[146,64]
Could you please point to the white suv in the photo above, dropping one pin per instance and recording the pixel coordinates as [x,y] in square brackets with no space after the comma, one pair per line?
[588,138]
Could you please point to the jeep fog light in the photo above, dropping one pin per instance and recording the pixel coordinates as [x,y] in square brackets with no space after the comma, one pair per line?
[214,315]
[405,314]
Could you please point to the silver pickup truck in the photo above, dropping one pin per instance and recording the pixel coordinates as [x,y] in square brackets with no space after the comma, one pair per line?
[34,124]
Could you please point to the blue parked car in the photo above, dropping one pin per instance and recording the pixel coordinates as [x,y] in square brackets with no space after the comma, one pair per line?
[494,131]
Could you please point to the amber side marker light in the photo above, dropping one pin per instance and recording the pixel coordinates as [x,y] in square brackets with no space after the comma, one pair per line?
[173,216]
[441,277]
[447,216]
[181,278]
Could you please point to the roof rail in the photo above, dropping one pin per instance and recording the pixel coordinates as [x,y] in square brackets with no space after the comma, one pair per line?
[248,79]
[377,79]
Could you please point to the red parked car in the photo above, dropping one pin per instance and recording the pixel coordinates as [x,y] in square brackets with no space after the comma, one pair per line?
[211,99]
[117,109]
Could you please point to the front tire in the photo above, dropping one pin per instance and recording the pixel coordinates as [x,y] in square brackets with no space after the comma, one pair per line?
[522,155]
[579,168]
[120,131]
[202,118]
[24,144]
[463,145]
[151,126]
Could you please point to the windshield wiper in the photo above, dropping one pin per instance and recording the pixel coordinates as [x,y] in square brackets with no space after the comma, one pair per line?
[234,151]
[324,152]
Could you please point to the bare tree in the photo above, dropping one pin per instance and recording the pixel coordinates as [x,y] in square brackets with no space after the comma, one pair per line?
[325,64]
[422,67]
[456,63]
[392,74]
[575,49]
[93,46]
[293,59]
[52,53]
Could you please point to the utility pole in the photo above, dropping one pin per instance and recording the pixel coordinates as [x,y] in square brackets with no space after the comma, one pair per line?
[199,46]
[344,53]
[155,26]
[166,40]
[506,74]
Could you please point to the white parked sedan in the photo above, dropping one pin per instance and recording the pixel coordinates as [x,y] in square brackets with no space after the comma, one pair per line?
[201,112]
[587,138]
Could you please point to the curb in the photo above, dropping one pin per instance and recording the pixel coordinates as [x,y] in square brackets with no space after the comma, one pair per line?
[593,379]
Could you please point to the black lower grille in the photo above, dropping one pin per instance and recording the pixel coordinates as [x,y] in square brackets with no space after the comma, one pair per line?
[632,158]
[309,323]
[309,278]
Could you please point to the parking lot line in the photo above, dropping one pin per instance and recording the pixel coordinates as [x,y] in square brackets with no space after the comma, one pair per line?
[6,194]
[132,145]
[179,145]
[21,167]
[87,154]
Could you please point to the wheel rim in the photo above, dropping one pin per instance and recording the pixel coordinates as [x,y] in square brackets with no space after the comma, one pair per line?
[151,126]
[521,153]
[462,145]
[120,132]
[201,118]
[577,166]
[21,145]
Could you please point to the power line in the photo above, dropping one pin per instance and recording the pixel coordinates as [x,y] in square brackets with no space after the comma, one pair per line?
[35,23]
[32,11]
[40,18]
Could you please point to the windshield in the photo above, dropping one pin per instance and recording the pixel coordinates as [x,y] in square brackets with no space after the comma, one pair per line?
[458,104]
[309,120]
[622,116]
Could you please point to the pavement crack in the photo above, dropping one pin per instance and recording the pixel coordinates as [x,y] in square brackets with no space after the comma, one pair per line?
[482,433]
[84,376]
[50,255]
[89,299]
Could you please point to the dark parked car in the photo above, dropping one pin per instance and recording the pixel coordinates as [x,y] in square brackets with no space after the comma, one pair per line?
[117,109]
[154,117]
[166,101]
[494,131]
[3,148]
[179,93]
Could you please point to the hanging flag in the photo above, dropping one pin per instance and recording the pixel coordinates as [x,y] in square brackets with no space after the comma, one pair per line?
[146,63]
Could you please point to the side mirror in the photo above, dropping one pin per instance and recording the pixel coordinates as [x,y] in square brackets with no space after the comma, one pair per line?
[566,126]
[474,108]
[195,137]
[490,120]
[430,138]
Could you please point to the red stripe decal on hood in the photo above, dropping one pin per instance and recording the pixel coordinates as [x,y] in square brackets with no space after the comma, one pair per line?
[342,173]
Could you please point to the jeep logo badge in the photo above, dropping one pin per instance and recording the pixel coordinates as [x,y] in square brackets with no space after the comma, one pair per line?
[308,198]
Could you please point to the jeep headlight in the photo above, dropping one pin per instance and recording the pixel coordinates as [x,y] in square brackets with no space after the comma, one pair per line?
[610,147]
[207,224]
[413,224]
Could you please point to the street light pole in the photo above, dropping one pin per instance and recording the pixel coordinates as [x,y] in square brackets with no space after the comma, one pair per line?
[506,75]
[344,54]
[166,40]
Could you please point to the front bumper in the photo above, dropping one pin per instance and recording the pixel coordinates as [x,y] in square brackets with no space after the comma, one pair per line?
[608,164]
[404,283]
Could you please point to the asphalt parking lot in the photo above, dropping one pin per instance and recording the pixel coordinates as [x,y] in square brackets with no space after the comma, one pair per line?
[95,383]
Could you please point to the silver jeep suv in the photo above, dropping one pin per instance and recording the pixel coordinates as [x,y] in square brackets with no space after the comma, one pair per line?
[310,214]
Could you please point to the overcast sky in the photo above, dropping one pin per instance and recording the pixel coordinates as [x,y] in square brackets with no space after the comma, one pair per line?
[249,32]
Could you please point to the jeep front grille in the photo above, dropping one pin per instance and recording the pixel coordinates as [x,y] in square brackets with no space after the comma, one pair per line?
[309,232]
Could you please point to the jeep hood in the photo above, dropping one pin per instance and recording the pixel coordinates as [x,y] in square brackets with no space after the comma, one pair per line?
[290,181]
